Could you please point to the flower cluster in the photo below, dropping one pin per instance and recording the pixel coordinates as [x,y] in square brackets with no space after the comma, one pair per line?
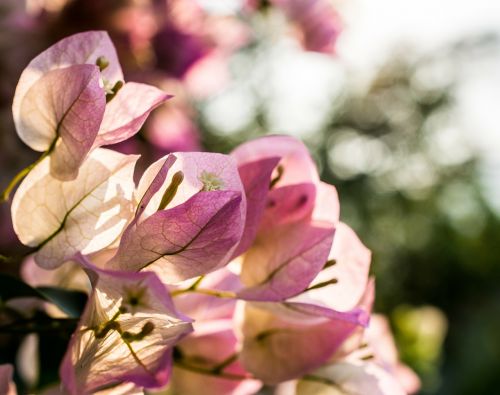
[217,274]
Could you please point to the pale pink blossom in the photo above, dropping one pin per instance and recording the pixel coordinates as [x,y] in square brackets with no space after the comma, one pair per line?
[189,219]
[125,334]
[60,101]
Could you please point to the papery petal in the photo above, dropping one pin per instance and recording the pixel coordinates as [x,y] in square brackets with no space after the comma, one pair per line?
[195,167]
[349,273]
[7,386]
[326,205]
[298,166]
[127,111]
[211,345]
[188,240]
[80,48]
[350,377]
[279,347]
[379,337]
[66,105]
[129,300]
[255,177]
[288,204]
[86,214]
[70,275]
[282,263]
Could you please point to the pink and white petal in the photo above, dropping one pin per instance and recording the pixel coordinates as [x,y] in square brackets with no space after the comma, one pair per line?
[284,262]
[80,48]
[127,111]
[327,205]
[256,177]
[348,274]
[267,338]
[70,275]
[201,171]
[350,377]
[288,204]
[185,241]
[379,336]
[86,214]
[296,162]
[95,361]
[7,386]
[62,111]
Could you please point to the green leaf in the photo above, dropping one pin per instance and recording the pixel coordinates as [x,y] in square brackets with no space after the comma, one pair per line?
[69,301]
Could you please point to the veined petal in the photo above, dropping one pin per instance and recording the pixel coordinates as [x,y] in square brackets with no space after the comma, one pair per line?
[127,112]
[200,172]
[62,111]
[86,214]
[283,262]
[341,285]
[78,49]
[189,219]
[126,334]
[277,347]
[185,241]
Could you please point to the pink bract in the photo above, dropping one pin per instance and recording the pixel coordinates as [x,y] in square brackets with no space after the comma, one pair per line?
[125,334]
[60,101]
[199,227]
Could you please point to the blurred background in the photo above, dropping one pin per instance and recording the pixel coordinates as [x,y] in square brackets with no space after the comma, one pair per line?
[397,100]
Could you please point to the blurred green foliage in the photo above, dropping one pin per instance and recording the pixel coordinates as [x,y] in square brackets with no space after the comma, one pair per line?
[411,189]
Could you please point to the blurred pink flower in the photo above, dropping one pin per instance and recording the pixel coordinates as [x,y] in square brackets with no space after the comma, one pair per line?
[7,386]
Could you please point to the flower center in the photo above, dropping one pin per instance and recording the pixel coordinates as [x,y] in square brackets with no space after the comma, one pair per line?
[211,182]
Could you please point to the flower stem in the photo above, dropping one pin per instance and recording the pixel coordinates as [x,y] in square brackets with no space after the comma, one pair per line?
[23,173]
[211,292]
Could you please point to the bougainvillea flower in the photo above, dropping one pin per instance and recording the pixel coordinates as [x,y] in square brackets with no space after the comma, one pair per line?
[62,112]
[318,24]
[291,231]
[87,214]
[268,331]
[60,101]
[125,334]
[190,217]
[333,309]
[7,386]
